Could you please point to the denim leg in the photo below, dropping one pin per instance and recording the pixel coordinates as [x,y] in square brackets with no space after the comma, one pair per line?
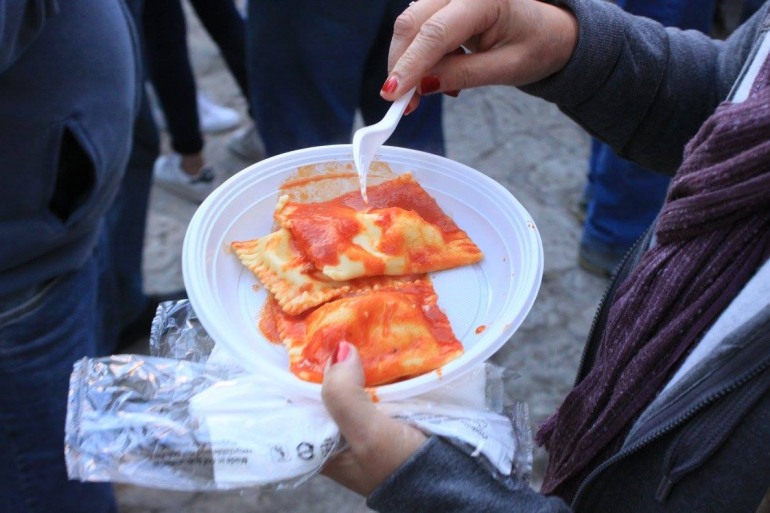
[39,342]
[588,189]
[127,220]
[305,60]
[685,14]
[168,62]
[308,62]
[625,200]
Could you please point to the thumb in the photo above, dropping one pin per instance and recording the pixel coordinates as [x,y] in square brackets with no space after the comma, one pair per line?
[378,443]
[345,397]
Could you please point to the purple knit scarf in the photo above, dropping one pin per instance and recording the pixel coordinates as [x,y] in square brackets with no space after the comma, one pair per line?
[712,235]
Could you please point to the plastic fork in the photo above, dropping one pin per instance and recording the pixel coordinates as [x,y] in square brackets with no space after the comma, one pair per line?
[367,140]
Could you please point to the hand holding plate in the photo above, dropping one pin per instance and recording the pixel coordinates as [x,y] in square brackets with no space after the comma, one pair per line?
[378,443]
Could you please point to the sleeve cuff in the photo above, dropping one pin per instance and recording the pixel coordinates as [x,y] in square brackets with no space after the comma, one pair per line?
[596,53]
[440,477]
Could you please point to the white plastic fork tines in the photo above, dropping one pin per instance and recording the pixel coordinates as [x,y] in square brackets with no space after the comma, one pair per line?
[367,140]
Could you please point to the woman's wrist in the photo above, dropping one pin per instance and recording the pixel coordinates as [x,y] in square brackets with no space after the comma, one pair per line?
[559,39]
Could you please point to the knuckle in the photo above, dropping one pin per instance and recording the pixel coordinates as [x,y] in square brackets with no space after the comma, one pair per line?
[370,442]
[434,31]
[471,74]
[407,63]
[465,77]
[405,25]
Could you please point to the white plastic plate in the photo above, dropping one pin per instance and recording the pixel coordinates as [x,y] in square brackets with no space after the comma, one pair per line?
[485,302]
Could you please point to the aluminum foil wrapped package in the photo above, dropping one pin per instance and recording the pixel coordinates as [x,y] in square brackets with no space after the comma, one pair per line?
[176,333]
[187,417]
[172,424]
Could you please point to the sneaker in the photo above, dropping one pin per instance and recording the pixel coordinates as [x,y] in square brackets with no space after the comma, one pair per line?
[168,174]
[247,144]
[599,259]
[214,117]
[211,116]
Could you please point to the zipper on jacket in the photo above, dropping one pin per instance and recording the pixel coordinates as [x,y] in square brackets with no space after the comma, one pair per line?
[667,483]
[722,421]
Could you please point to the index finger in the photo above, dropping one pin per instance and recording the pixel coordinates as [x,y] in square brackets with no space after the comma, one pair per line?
[408,24]
[423,34]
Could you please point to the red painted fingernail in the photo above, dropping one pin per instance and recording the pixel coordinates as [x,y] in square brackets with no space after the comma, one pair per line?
[343,350]
[390,85]
[429,84]
[454,94]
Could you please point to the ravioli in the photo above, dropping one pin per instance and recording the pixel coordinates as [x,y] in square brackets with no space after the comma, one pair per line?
[323,250]
[344,244]
[340,269]
[408,234]
[399,331]
[287,274]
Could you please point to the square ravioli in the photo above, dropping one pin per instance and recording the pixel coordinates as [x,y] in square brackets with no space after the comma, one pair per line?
[401,231]
[289,276]
[399,331]
[339,269]
[323,250]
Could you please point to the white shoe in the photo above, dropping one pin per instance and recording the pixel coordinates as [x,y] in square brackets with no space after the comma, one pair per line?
[211,116]
[214,117]
[247,144]
[168,174]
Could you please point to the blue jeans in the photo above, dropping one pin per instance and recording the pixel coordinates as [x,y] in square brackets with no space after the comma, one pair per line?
[40,339]
[312,64]
[685,14]
[78,314]
[624,198]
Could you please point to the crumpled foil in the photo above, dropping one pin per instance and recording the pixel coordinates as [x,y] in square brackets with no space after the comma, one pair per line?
[188,417]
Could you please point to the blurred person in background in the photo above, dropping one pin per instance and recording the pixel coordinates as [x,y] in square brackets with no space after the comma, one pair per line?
[134,310]
[188,113]
[69,94]
[313,65]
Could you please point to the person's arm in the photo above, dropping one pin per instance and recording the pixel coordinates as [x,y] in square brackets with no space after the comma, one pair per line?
[643,88]
[440,477]
[20,23]
[399,468]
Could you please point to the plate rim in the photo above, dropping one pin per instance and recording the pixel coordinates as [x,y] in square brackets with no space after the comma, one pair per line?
[343,152]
